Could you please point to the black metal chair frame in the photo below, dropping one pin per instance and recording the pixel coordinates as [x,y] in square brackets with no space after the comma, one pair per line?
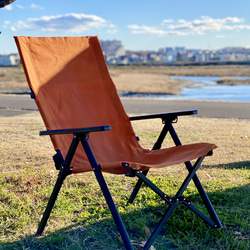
[81,135]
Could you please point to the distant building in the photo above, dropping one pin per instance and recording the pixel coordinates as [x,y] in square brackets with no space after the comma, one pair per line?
[169,58]
[204,56]
[9,60]
[186,57]
[169,50]
[112,49]
[200,57]
[180,50]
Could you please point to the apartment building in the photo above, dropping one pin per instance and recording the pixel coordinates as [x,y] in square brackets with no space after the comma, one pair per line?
[112,50]
[9,60]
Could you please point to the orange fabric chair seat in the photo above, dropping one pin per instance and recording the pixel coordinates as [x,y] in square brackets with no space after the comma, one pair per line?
[75,91]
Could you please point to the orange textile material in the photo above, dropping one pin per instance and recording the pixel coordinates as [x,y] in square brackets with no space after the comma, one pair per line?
[73,89]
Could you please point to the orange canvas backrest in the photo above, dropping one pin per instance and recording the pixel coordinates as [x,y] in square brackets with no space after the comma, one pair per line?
[73,89]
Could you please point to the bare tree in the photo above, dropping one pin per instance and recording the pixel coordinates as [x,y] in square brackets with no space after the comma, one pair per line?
[5,2]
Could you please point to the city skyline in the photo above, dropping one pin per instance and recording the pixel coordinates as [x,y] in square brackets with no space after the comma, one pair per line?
[139,25]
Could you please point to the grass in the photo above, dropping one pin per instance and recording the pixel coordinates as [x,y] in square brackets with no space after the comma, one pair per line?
[80,218]
[202,70]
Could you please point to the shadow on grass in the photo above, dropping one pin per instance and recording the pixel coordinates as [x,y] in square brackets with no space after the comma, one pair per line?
[233,165]
[183,230]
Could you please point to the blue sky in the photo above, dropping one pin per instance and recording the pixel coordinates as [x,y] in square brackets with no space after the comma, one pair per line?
[139,24]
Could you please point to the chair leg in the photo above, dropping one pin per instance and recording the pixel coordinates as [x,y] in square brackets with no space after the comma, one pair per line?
[192,175]
[53,197]
[64,172]
[97,170]
[136,188]
[173,201]
[196,180]
[118,221]
[205,199]
[214,221]
[159,227]
[156,146]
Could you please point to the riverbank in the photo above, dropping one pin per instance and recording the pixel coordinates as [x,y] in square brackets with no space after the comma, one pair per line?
[138,79]
[231,81]
[157,79]
[190,70]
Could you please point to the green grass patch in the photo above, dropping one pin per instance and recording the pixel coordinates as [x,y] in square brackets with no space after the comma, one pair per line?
[81,219]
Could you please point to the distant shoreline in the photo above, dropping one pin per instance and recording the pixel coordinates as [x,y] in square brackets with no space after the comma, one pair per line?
[231,81]
[139,79]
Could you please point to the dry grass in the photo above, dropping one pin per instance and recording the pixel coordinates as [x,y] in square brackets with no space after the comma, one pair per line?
[21,147]
[12,79]
[210,70]
[146,83]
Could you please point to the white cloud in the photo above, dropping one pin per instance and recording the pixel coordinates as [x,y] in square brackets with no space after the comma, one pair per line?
[21,26]
[112,29]
[196,27]
[167,21]
[6,23]
[8,7]
[152,31]
[35,6]
[220,36]
[32,6]
[134,27]
[199,26]
[71,23]
[20,6]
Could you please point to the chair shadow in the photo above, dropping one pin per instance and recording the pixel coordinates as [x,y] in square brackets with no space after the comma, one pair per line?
[83,235]
[233,165]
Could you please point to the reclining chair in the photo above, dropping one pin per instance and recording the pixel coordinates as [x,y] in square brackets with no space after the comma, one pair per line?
[78,102]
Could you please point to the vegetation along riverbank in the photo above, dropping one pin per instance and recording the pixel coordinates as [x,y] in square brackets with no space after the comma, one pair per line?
[142,79]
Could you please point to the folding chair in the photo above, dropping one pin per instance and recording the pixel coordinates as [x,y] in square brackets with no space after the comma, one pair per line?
[79,103]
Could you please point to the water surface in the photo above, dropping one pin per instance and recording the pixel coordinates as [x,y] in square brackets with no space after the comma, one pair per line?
[206,88]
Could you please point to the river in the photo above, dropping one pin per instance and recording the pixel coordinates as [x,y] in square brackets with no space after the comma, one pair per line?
[206,88]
